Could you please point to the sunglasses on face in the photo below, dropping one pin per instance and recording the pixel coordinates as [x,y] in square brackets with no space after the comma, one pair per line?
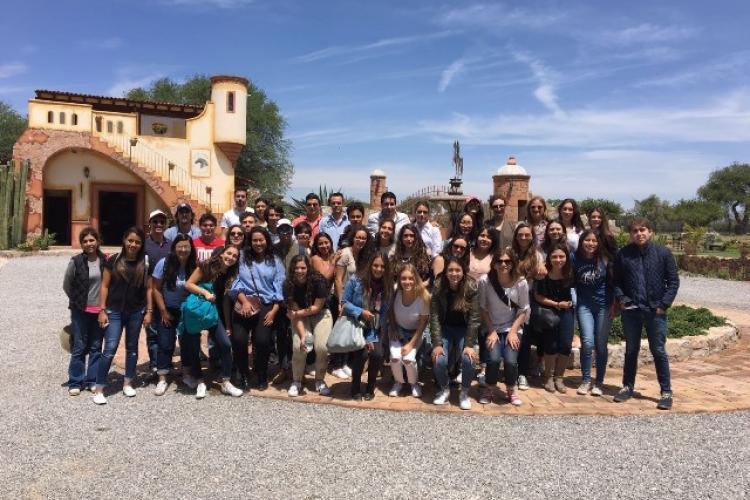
[236,233]
[504,262]
[462,247]
[498,206]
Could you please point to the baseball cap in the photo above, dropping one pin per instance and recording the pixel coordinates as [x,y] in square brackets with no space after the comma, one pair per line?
[155,213]
[283,224]
[183,206]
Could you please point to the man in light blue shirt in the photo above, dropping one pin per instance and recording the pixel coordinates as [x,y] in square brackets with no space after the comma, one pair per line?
[336,223]
[184,218]
[387,212]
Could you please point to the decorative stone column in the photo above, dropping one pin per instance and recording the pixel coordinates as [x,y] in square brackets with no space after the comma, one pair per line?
[512,183]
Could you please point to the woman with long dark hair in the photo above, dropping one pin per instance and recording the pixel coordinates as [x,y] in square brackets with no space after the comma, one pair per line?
[305,294]
[454,326]
[473,207]
[594,307]
[168,290]
[504,306]
[569,216]
[464,227]
[554,234]
[385,238]
[599,224]
[410,249]
[124,303]
[483,248]
[457,247]
[367,296]
[498,221]
[556,292]
[83,279]
[217,271]
[258,290]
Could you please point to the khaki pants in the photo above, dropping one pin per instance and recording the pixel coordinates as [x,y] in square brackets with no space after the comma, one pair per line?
[320,326]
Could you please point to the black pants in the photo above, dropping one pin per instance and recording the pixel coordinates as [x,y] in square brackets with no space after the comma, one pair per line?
[357,359]
[244,329]
[283,339]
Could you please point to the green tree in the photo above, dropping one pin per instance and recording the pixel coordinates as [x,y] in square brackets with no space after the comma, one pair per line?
[656,210]
[264,160]
[612,208]
[696,212]
[12,126]
[730,187]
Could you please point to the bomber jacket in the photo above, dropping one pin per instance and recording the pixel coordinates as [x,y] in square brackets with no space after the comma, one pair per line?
[647,277]
[353,302]
[439,307]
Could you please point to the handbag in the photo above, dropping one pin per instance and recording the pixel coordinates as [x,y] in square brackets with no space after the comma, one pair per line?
[255,302]
[544,319]
[347,335]
[198,314]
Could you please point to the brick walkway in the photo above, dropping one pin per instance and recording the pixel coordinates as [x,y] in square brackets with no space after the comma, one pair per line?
[720,382]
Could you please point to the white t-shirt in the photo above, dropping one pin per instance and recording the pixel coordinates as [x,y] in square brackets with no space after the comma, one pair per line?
[501,315]
[407,317]
[232,216]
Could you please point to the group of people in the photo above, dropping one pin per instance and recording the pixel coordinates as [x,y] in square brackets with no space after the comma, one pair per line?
[270,291]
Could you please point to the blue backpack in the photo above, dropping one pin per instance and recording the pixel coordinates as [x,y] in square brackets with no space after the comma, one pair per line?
[198,314]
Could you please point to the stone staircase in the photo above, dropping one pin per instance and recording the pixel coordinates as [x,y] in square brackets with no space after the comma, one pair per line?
[136,154]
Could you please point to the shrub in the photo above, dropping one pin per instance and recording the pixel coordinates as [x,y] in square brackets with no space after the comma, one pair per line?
[682,321]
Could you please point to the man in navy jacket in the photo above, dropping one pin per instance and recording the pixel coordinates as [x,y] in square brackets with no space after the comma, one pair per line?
[646,283]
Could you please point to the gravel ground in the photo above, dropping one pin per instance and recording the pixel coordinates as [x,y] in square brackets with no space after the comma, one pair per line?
[712,292]
[53,445]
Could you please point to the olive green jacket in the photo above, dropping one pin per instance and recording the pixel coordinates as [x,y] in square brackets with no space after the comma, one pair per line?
[439,306]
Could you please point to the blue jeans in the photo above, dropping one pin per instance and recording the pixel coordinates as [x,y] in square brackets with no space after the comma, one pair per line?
[190,348]
[633,322]
[594,323]
[503,352]
[560,340]
[453,347]
[132,323]
[85,339]
[166,337]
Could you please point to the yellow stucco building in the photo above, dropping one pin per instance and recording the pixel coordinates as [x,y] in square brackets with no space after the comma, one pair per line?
[109,161]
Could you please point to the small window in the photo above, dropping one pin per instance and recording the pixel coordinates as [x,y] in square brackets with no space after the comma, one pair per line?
[110,127]
[230,102]
[50,117]
[98,121]
[62,118]
[74,119]
[119,127]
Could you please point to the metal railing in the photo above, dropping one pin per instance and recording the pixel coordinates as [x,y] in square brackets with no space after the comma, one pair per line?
[177,175]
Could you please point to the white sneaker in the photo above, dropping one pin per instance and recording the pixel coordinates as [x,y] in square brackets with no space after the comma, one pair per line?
[322,388]
[416,390]
[189,381]
[229,389]
[200,391]
[463,400]
[458,379]
[74,391]
[161,388]
[347,370]
[128,391]
[442,397]
[584,388]
[523,384]
[294,389]
[99,398]
[395,390]
[596,390]
[340,373]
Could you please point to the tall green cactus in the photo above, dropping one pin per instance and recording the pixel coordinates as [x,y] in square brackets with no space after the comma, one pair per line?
[6,178]
[12,204]
[19,209]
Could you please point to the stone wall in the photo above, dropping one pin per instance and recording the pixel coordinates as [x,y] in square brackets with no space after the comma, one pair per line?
[717,267]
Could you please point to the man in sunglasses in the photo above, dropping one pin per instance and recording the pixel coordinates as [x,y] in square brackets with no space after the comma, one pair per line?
[312,214]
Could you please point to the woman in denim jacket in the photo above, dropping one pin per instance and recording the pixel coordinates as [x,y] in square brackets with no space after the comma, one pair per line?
[366,298]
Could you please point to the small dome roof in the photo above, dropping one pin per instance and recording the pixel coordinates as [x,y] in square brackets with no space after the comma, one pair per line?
[511,168]
[378,173]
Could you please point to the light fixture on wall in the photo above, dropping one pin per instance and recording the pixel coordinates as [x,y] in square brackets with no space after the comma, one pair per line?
[86,172]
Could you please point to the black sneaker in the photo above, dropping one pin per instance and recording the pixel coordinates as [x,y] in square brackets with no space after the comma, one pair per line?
[624,394]
[665,401]
[369,396]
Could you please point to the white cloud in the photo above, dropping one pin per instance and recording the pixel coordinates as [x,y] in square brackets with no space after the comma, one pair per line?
[497,15]
[648,33]
[546,91]
[127,83]
[449,73]
[359,50]
[12,69]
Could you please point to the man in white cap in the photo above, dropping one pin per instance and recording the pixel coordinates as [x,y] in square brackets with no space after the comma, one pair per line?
[184,218]
[157,248]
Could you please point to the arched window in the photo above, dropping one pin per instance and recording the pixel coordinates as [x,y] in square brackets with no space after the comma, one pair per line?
[50,117]
[119,127]
[98,121]
[230,102]
[74,119]
[62,118]
[110,127]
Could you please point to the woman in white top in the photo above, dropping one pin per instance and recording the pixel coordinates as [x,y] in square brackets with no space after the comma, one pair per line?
[569,216]
[408,319]
[504,306]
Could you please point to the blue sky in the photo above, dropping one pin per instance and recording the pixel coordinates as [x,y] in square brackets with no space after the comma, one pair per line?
[611,99]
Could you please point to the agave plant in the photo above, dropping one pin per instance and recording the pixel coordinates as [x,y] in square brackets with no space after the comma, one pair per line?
[296,207]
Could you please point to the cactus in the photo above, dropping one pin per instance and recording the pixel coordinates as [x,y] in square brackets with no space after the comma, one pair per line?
[19,210]
[6,173]
[12,204]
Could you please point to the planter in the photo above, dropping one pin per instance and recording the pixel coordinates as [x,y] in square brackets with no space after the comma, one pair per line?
[159,128]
